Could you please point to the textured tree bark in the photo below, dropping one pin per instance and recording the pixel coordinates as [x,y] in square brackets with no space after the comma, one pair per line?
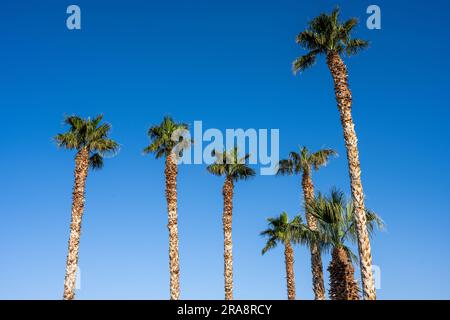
[342,277]
[290,277]
[171,172]
[344,102]
[316,257]
[227,242]
[81,172]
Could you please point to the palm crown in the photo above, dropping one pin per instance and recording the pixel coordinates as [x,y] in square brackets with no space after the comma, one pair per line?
[281,230]
[337,221]
[230,165]
[304,160]
[326,34]
[90,134]
[165,140]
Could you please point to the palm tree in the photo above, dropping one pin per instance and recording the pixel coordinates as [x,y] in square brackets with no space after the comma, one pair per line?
[327,35]
[167,141]
[336,226]
[281,230]
[229,164]
[90,139]
[302,163]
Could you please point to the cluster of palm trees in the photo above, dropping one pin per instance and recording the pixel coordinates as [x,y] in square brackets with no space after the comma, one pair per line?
[333,228]
[331,221]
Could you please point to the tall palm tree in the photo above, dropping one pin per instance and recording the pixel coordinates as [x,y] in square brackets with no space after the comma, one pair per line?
[234,168]
[165,141]
[90,139]
[327,35]
[302,163]
[281,230]
[337,225]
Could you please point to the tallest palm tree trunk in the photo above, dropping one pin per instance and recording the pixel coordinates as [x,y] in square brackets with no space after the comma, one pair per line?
[227,240]
[171,172]
[81,172]
[316,257]
[344,101]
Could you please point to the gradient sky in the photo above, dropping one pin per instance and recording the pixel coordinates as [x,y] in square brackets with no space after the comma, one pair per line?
[226,63]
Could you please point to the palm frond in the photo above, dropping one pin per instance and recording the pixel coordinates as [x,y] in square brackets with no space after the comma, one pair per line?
[216,169]
[321,157]
[304,62]
[309,40]
[354,46]
[96,161]
[270,244]
[67,140]
[229,164]
[285,167]
[75,122]
[166,138]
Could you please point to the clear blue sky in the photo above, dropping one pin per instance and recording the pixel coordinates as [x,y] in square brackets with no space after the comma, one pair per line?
[226,63]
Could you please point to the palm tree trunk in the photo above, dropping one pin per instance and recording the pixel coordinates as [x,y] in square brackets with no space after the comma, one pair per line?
[342,277]
[290,277]
[171,172]
[227,242]
[81,172]
[344,101]
[316,257]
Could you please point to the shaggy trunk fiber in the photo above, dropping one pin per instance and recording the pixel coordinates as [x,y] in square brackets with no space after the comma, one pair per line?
[316,257]
[81,172]
[342,277]
[344,102]
[227,241]
[171,172]
[290,277]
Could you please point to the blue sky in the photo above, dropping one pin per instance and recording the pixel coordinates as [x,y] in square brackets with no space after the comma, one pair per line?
[226,63]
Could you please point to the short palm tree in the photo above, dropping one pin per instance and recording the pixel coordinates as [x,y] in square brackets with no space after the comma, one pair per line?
[234,168]
[327,35]
[90,140]
[281,230]
[303,162]
[166,142]
[336,226]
